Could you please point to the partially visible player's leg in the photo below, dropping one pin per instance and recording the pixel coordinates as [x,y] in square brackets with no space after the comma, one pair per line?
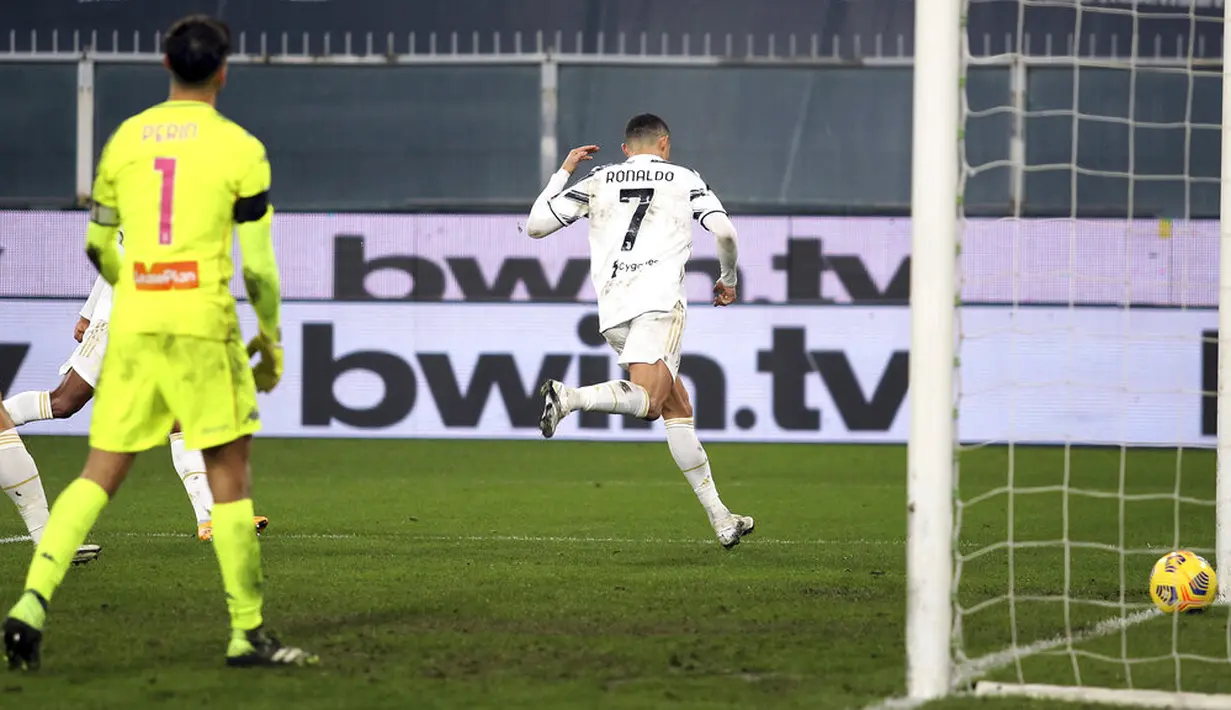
[190,466]
[31,406]
[20,480]
[219,416]
[130,416]
[75,389]
[64,401]
[690,456]
[72,517]
[649,347]
[235,542]
[73,392]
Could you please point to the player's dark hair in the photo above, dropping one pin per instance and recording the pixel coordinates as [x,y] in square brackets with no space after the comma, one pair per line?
[643,126]
[196,47]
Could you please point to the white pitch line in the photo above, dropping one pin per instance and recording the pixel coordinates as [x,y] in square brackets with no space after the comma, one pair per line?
[158,535]
[579,540]
[291,536]
[896,704]
[542,539]
[978,667]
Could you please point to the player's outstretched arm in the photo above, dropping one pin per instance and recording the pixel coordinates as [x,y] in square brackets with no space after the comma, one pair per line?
[720,226]
[261,278]
[728,255]
[254,218]
[553,208]
[264,290]
[101,246]
[709,212]
[253,215]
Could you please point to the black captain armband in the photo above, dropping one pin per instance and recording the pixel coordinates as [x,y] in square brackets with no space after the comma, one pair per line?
[250,209]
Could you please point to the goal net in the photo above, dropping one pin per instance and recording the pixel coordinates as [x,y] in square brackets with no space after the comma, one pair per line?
[1083,371]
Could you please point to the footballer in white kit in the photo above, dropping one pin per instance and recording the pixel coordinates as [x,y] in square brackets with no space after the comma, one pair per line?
[641,213]
[80,376]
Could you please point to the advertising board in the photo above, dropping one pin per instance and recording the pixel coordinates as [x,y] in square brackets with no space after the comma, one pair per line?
[814,374]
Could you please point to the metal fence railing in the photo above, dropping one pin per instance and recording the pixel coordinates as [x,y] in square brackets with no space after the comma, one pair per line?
[1007,163]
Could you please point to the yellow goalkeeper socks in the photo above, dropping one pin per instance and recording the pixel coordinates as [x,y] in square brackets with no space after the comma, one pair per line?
[239,557]
[31,609]
[72,516]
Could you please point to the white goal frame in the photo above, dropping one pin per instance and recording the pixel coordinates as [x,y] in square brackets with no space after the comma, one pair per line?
[935,178]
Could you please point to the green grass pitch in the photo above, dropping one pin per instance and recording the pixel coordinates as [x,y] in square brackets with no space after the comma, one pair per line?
[562,574]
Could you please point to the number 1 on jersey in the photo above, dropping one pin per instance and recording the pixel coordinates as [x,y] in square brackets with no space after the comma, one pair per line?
[643,195]
[166,202]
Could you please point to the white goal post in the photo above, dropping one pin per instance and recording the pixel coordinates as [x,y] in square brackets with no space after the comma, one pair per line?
[934,559]
[1223,524]
[933,292]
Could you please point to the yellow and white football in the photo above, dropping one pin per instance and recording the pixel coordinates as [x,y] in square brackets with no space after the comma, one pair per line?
[1182,581]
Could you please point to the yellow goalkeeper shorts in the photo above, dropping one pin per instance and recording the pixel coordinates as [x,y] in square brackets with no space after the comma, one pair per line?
[149,381]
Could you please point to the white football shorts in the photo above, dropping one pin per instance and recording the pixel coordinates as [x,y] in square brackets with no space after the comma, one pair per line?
[648,338]
[87,359]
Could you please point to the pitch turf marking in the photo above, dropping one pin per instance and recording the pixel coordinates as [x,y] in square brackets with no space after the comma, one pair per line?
[305,536]
[976,668]
[897,704]
[576,540]
[541,539]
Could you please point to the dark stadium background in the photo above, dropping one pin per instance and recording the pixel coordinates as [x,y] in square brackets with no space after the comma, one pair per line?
[466,138]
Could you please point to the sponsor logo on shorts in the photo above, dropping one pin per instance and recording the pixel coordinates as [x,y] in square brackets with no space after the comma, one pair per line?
[165,276]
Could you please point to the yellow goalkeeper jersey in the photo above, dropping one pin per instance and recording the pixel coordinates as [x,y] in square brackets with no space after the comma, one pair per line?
[179,176]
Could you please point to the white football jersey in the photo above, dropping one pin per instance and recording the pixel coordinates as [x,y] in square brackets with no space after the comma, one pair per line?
[641,214]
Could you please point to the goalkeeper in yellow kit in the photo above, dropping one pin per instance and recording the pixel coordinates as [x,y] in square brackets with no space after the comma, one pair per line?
[181,178]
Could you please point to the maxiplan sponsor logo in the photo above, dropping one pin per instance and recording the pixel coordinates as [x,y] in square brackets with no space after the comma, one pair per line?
[165,276]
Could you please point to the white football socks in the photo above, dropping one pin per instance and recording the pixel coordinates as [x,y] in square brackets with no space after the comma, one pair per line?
[190,465]
[29,407]
[690,456]
[614,397]
[19,479]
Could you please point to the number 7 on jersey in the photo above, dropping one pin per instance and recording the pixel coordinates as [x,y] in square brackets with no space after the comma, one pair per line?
[643,195]
[166,201]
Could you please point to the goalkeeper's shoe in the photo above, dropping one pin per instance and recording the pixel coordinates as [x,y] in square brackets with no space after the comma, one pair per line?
[205,530]
[739,527]
[22,637]
[258,647]
[21,645]
[552,393]
[86,553]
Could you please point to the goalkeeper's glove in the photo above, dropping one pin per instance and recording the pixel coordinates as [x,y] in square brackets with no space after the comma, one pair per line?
[268,370]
